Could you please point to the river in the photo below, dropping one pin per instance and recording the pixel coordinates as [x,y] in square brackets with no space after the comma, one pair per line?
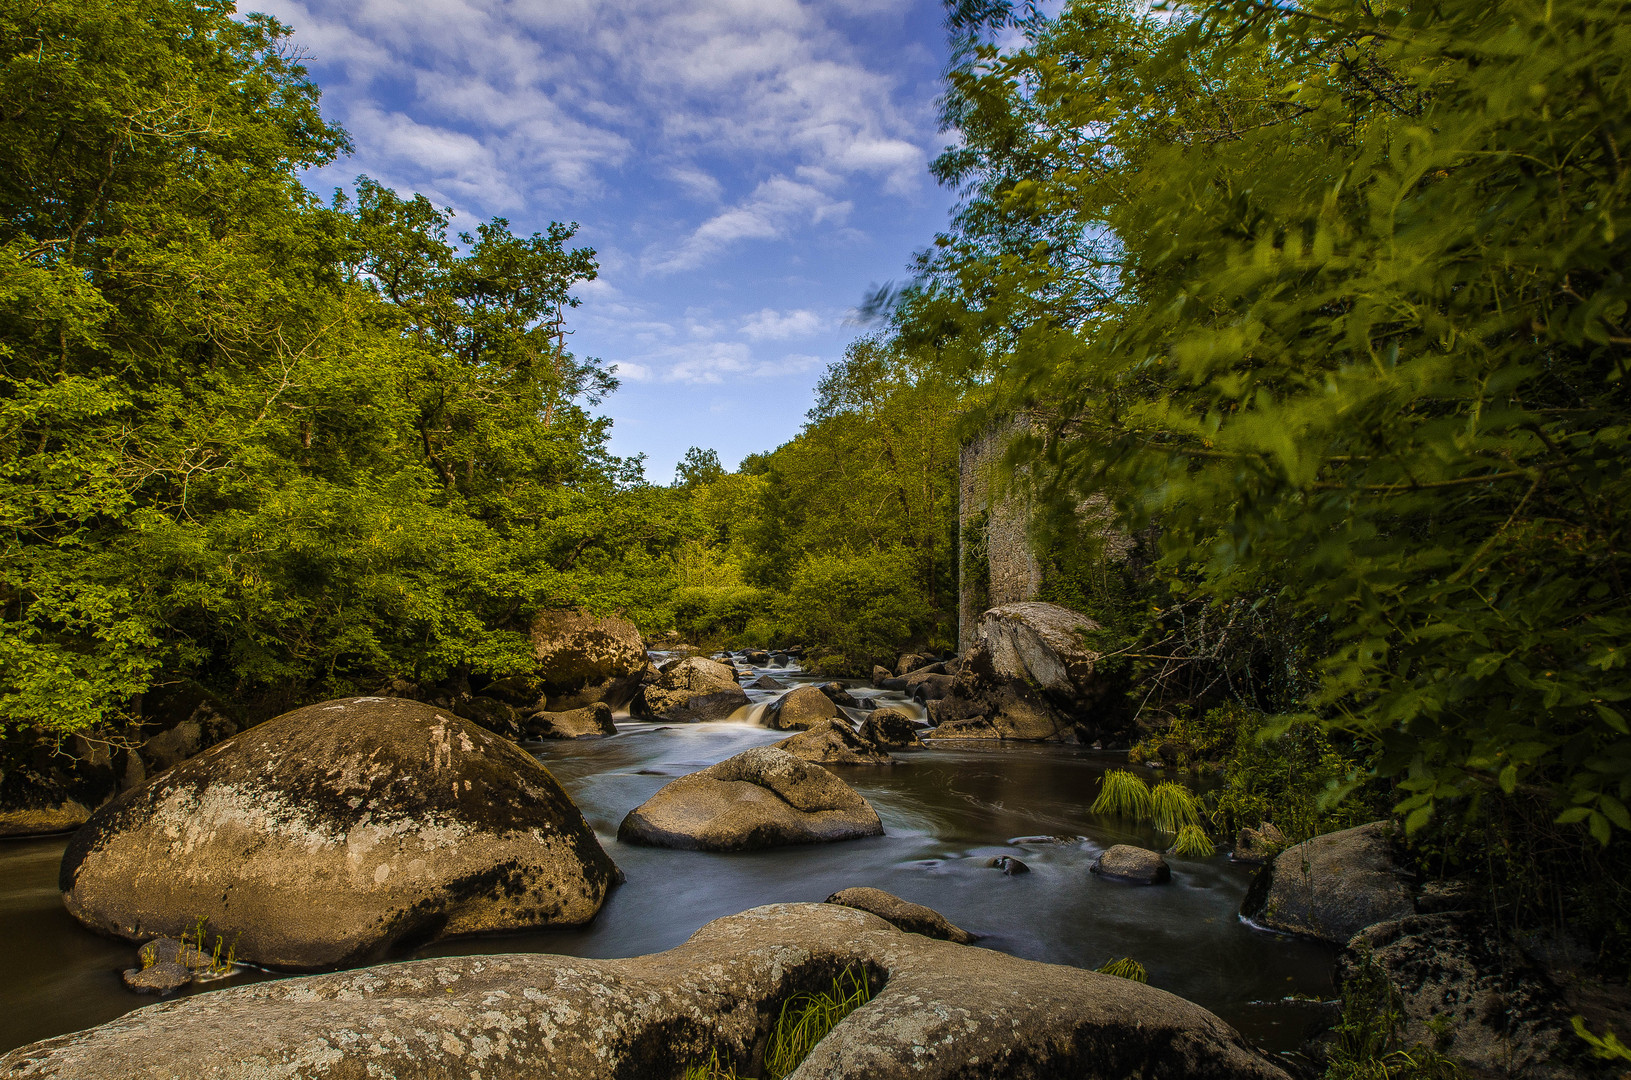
[946,810]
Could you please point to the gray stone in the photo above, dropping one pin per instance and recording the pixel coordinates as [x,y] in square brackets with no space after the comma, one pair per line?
[1008,865]
[45,820]
[1258,845]
[690,690]
[837,694]
[766,682]
[946,1011]
[1467,992]
[910,662]
[760,798]
[320,838]
[1141,866]
[801,707]
[496,716]
[910,917]
[589,722]
[1330,887]
[890,727]
[833,743]
[583,658]
[933,687]
[879,674]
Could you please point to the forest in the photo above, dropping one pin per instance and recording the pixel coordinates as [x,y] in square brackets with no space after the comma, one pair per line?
[1321,309]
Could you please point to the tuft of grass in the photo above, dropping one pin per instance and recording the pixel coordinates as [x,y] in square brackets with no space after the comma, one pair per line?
[1123,794]
[1192,843]
[804,1021]
[1369,1043]
[1172,806]
[806,1018]
[1125,968]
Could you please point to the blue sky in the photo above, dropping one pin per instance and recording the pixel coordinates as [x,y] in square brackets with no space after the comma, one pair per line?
[745,169]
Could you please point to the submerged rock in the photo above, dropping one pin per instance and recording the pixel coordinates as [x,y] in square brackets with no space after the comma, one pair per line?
[760,798]
[1140,866]
[324,836]
[833,743]
[690,690]
[583,658]
[589,722]
[164,977]
[943,1008]
[802,707]
[1008,865]
[1330,887]
[910,917]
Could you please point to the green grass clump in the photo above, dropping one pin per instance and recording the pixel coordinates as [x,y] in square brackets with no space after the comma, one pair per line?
[1172,806]
[804,1021]
[1123,794]
[1192,843]
[1125,968]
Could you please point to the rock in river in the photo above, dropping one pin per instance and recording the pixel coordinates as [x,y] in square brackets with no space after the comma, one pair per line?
[910,917]
[1139,865]
[584,658]
[833,743]
[691,690]
[1330,887]
[940,1011]
[589,722]
[802,707]
[320,838]
[890,727]
[760,798]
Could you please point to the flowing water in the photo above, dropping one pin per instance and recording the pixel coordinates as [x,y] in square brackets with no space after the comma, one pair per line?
[945,811]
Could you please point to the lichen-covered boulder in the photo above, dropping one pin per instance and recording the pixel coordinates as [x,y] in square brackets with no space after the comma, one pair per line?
[690,690]
[583,658]
[802,707]
[1330,887]
[910,917]
[1258,845]
[1125,862]
[940,1011]
[760,798]
[322,837]
[832,742]
[589,722]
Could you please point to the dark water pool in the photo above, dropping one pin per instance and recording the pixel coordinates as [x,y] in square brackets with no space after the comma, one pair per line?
[945,812]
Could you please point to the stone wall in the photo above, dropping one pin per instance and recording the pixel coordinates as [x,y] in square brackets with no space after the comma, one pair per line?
[1010,569]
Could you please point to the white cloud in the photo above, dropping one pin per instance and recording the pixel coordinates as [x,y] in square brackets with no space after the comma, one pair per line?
[633,372]
[771,212]
[771,325]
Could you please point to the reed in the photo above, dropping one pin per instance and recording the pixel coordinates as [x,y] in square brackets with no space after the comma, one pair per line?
[1172,806]
[806,1019]
[1192,843]
[1123,794]
[1125,968]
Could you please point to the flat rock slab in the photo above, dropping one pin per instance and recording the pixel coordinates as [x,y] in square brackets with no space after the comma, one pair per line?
[1330,887]
[322,837]
[760,798]
[944,1011]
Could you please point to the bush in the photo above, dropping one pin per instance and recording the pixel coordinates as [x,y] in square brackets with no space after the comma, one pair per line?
[852,610]
[715,614]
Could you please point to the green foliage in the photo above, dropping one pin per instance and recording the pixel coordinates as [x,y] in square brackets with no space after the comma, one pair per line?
[1335,294]
[1606,1047]
[1368,1043]
[851,610]
[1125,968]
[1173,807]
[807,1018]
[282,448]
[1192,843]
[1123,793]
[720,614]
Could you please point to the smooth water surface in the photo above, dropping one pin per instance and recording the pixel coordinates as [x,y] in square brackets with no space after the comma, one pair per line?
[945,812]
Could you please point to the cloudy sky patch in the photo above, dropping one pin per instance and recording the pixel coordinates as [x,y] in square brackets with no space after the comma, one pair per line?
[746,169]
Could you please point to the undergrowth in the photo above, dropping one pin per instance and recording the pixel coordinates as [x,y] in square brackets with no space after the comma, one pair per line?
[1125,968]
[1368,1039]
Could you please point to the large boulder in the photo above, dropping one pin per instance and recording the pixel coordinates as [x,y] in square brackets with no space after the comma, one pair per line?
[1466,991]
[324,836]
[802,707]
[946,1011]
[760,798]
[910,917]
[1030,676]
[690,690]
[1330,887]
[589,722]
[832,742]
[583,658]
